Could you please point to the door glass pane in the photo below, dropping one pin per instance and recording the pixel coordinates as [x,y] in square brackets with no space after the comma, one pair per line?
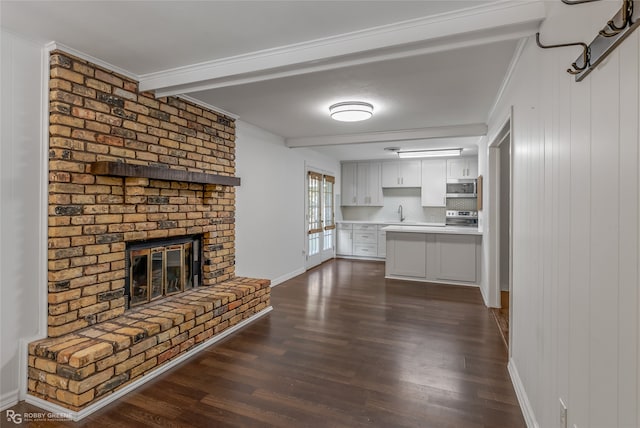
[327,243]
[314,244]
[157,272]
[174,269]
[188,265]
[313,202]
[139,277]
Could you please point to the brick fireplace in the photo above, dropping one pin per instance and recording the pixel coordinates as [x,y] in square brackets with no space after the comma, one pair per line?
[125,169]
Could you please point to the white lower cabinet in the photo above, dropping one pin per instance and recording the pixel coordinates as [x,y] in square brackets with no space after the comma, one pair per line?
[437,257]
[365,240]
[365,250]
[345,239]
[382,241]
[455,258]
[361,240]
[406,254]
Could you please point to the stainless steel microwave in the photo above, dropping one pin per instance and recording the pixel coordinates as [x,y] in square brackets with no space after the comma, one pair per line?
[461,188]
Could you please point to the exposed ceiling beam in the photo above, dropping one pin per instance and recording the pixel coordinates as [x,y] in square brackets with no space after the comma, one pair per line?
[496,21]
[470,130]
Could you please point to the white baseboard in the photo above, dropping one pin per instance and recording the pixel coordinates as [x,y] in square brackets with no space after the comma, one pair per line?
[76,416]
[9,399]
[279,280]
[523,399]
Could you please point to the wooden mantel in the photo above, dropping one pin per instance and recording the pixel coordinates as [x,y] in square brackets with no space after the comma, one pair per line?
[121,169]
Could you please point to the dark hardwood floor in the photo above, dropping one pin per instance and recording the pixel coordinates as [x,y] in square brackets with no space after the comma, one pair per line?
[343,348]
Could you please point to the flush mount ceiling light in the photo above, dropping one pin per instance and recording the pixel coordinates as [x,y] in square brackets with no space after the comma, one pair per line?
[351,111]
[429,153]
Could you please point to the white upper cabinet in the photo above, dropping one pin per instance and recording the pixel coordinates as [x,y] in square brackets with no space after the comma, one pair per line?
[348,180]
[434,183]
[368,186]
[462,168]
[361,185]
[401,174]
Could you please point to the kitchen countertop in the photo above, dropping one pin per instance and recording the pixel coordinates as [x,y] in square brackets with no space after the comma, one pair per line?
[392,223]
[416,228]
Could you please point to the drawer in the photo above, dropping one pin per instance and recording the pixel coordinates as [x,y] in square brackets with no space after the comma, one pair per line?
[344,226]
[361,237]
[370,250]
[365,227]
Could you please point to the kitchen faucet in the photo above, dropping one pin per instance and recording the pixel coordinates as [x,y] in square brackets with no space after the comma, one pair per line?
[400,211]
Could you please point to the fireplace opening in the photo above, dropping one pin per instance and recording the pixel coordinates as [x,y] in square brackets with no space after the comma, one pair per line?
[164,267]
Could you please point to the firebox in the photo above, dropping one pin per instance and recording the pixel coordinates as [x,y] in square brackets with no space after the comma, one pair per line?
[164,267]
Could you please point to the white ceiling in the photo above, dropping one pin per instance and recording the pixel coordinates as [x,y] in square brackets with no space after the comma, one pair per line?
[280,64]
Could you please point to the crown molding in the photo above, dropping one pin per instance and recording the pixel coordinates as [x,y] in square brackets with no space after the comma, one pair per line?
[205,105]
[52,46]
[360,46]
[234,80]
[469,130]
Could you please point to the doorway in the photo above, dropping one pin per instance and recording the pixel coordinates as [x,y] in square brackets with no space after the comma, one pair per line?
[319,218]
[501,170]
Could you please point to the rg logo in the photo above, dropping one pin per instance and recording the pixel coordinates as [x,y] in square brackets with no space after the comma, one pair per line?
[14,417]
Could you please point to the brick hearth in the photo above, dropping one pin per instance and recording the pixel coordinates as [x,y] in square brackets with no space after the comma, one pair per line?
[79,368]
[93,345]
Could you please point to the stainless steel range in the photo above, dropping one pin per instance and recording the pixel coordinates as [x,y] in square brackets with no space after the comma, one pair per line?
[462,218]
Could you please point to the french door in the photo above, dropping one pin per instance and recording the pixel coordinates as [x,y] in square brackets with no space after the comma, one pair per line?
[320,218]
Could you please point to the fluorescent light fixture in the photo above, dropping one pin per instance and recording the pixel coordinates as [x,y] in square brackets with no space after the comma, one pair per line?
[429,153]
[351,111]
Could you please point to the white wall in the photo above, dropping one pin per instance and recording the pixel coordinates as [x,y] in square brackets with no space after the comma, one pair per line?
[576,327]
[21,177]
[270,233]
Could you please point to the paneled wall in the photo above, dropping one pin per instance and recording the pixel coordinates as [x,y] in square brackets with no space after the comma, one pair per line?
[576,300]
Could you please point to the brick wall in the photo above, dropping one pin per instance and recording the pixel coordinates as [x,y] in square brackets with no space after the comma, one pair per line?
[97,115]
